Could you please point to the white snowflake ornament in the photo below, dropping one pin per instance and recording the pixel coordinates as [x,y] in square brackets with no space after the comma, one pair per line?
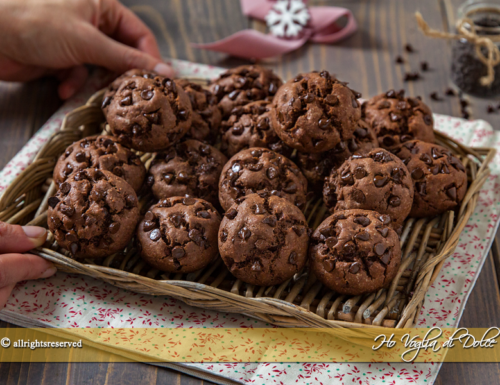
[287,18]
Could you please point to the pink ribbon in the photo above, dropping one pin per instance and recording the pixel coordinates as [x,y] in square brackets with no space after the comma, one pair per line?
[251,44]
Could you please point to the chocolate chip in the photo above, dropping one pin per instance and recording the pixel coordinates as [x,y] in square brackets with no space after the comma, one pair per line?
[53,201]
[383,105]
[445,169]
[395,201]
[359,173]
[254,167]
[183,177]
[417,173]
[324,123]
[328,265]
[256,266]
[149,216]
[450,92]
[426,159]
[347,179]
[391,94]
[80,157]
[385,219]
[67,210]
[331,100]
[299,230]
[178,252]
[233,95]
[153,117]
[452,193]
[236,167]
[118,171]
[421,188]
[68,151]
[291,188]
[126,101]
[292,258]
[244,233]
[203,214]
[383,231]
[380,180]
[362,236]
[71,236]
[358,196]
[363,221]
[331,242]
[272,88]
[147,94]
[65,188]
[155,235]
[271,221]
[379,249]
[349,248]
[272,172]
[74,248]
[148,225]
[354,268]
[168,178]
[183,114]
[188,201]
[394,117]
[131,200]
[455,162]
[325,74]
[223,235]
[195,236]
[114,227]
[435,169]
[428,120]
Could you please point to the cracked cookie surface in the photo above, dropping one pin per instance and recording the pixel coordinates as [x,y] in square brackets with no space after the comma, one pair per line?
[179,235]
[314,112]
[316,167]
[188,169]
[259,170]
[396,119]
[206,117]
[148,113]
[355,252]
[93,214]
[102,152]
[439,177]
[250,126]
[263,240]
[244,84]
[377,181]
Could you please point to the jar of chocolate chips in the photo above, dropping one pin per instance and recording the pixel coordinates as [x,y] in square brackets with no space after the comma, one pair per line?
[466,68]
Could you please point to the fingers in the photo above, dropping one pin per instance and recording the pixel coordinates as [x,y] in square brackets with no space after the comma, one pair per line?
[17,239]
[5,294]
[106,52]
[120,23]
[72,81]
[22,267]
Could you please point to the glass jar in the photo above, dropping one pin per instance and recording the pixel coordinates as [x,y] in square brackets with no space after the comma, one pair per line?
[466,68]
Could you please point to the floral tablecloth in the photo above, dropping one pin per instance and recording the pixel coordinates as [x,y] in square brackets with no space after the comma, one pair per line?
[67,300]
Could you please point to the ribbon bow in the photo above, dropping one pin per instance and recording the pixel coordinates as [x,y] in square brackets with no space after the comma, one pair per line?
[250,44]
[466,29]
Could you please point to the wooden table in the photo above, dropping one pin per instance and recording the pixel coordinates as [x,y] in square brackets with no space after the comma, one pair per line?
[366,60]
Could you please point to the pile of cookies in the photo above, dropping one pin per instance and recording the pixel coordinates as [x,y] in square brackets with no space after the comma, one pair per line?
[256,150]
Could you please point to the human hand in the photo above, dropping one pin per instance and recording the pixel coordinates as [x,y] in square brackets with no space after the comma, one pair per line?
[14,266]
[57,37]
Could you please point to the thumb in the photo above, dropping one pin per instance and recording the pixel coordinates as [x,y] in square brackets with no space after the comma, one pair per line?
[17,239]
[22,267]
[118,57]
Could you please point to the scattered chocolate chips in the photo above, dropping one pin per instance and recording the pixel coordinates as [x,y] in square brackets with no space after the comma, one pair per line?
[409,48]
[399,59]
[435,96]
[424,66]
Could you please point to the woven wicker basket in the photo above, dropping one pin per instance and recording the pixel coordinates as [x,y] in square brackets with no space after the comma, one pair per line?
[301,301]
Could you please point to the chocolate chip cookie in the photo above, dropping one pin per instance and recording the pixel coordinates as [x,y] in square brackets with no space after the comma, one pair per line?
[355,252]
[115,84]
[396,119]
[104,153]
[377,181]
[316,167]
[259,170]
[179,235]
[188,169]
[439,177]
[206,116]
[314,112]
[148,114]
[263,241]
[250,126]
[94,214]
[244,84]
